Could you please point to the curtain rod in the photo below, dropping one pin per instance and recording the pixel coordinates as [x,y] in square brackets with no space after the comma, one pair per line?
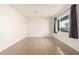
[63,12]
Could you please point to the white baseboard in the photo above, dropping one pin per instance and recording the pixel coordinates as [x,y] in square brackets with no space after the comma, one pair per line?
[12,43]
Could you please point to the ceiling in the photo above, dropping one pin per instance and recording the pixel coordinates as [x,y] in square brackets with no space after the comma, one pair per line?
[39,10]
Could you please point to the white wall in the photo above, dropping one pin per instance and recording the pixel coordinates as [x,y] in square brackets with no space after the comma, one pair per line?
[12,26]
[38,27]
[64,37]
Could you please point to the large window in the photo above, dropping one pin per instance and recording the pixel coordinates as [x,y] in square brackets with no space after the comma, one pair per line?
[64,24]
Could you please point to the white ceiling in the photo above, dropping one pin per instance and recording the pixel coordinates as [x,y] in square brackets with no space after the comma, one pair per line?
[39,10]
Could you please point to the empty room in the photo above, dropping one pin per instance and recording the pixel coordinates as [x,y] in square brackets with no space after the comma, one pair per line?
[39,29]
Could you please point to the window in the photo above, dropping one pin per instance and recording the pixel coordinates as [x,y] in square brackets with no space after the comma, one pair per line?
[64,24]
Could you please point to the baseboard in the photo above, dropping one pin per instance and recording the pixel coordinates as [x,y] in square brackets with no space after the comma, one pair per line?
[12,43]
[38,36]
